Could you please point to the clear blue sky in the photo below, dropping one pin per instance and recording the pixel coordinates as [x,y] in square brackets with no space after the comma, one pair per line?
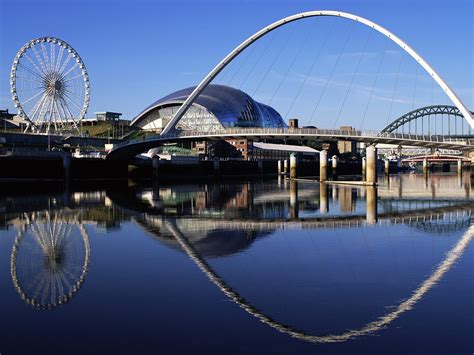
[137,50]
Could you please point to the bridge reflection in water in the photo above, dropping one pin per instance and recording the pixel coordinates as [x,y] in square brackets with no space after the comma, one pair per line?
[452,212]
[50,257]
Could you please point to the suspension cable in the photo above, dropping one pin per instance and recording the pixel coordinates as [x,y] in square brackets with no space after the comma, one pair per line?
[395,88]
[258,60]
[274,60]
[290,67]
[315,59]
[332,73]
[352,79]
[373,85]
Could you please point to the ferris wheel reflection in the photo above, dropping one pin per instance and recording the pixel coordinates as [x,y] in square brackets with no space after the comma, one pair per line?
[50,258]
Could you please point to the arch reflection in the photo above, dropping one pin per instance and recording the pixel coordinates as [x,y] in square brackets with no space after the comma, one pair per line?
[383,321]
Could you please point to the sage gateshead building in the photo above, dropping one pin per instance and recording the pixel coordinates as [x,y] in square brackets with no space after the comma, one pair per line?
[217,107]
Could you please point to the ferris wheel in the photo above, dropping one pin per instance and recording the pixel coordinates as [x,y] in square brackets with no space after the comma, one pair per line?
[50,85]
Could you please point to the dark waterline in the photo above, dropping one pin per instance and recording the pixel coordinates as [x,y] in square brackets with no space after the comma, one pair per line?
[240,267]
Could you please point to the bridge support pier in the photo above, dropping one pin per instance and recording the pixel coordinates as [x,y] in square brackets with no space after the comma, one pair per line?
[425,166]
[371,168]
[323,165]
[323,198]
[371,205]
[285,166]
[399,157]
[335,161]
[387,166]
[364,166]
[294,207]
[293,166]
[260,166]
[460,166]
[279,167]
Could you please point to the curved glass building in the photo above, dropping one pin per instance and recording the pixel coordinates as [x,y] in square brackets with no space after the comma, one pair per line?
[218,107]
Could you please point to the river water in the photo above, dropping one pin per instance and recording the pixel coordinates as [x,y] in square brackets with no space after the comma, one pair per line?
[263,266]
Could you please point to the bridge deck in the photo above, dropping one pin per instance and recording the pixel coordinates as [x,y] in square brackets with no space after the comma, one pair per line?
[129,149]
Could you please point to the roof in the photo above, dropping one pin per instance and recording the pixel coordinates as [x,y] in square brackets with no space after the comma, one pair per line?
[285,147]
[231,106]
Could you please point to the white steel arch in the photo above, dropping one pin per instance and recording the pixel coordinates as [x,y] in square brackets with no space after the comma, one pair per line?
[219,67]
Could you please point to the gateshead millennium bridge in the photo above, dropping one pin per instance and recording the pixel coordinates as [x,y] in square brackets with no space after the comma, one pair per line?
[419,133]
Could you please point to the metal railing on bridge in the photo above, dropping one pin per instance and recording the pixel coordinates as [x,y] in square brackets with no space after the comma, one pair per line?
[292,132]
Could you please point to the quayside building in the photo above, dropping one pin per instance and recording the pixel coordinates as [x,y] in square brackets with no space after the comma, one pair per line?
[220,107]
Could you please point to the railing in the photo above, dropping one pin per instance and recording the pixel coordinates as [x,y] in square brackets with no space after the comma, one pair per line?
[297,132]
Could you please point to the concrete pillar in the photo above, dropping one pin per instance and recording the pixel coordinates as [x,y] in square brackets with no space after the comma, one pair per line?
[335,160]
[293,166]
[334,192]
[260,166]
[323,165]
[460,166]
[323,198]
[364,167]
[399,157]
[387,166]
[217,167]
[285,166]
[294,206]
[371,204]
[371,168]
[425,166]
[279,167]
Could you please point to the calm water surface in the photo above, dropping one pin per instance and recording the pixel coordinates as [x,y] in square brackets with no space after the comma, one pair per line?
[264,267]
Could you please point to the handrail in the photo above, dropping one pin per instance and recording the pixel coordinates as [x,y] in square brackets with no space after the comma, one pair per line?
[294,132]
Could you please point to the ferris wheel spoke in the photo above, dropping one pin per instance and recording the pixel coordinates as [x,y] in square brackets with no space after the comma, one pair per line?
[45,56]
[75,77]
[70,70]
[51,119]
[59,58]
[42,112]
[52,57]
[33,97]
[28,79]
[72,101]
[67,107]
[58,112]
[63,109]
[34,64]
[64,113]
[79,96]
[23,91]
[65,63]
[40,286]
[34,110]
[38,58]
[30,70]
